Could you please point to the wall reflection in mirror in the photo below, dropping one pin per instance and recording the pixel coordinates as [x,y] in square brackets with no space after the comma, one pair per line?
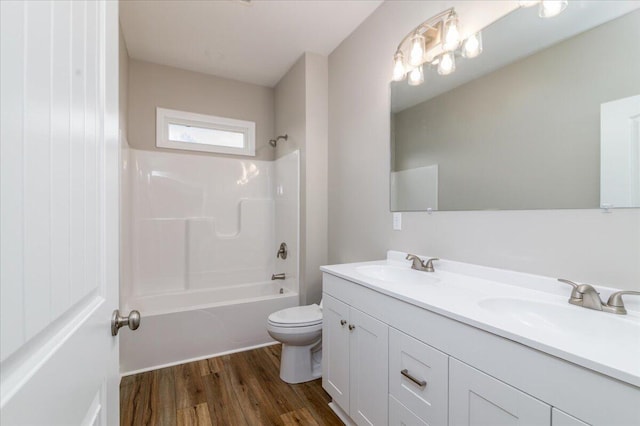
[548,117]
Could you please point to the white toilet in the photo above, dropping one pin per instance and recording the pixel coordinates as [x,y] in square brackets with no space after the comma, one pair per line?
[299,329]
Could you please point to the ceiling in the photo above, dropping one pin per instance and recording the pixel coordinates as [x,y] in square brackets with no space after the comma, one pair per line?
[253,41]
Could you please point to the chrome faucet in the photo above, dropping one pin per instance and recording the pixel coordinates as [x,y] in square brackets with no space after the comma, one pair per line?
[419,265]
[586,296]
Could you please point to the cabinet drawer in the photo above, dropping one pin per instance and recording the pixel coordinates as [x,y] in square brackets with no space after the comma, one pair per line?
[424,364]
[399,415]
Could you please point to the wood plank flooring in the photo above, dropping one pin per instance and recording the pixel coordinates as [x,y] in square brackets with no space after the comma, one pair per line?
[237,389]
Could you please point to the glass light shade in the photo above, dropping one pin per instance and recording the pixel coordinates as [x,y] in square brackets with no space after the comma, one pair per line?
[416,76]
[451,39]
[472,46]
[398,67]
[447,64]
[417,49]
[551,8]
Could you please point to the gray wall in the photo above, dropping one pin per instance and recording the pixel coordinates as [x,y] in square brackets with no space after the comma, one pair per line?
[301,105]
[152,85]
[583,245]
[528,134]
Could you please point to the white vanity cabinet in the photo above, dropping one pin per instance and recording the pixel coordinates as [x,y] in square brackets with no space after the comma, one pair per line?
[471,376]
[355,362]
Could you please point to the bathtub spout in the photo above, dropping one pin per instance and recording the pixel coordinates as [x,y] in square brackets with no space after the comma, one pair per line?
[277,276]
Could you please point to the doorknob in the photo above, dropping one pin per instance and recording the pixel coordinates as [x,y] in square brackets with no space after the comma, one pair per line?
[117,321]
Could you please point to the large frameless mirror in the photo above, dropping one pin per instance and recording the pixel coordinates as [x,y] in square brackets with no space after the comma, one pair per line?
[547,117]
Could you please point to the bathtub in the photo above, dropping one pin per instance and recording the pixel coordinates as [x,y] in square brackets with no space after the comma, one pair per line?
[191,325]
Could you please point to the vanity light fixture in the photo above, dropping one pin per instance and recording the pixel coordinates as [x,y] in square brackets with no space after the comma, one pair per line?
[548,8]
[433,44]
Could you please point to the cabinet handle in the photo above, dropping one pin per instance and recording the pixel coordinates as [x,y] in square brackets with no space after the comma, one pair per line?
[421,383]
[343,322]
[351,327]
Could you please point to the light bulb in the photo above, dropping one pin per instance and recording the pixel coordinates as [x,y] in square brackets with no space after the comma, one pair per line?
[398,67]
[416,76]
[451,33]
[447,64]
[528,3]
[472,46]
[417,49]
[551,8]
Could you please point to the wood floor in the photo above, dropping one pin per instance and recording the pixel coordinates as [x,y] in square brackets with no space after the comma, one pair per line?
[238,389]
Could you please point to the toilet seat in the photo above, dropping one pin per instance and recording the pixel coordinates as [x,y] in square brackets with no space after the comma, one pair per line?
[298,316]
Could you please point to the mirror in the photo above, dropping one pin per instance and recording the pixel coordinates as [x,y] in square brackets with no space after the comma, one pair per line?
[548,117]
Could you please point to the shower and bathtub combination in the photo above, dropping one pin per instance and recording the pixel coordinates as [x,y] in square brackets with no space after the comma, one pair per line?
[201,238]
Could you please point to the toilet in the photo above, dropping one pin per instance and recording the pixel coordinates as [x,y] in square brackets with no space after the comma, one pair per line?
[299,329]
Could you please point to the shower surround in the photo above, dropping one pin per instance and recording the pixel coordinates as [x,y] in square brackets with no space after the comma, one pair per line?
[203,233]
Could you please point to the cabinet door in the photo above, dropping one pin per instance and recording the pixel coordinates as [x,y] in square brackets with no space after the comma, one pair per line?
[369,364]
[419,361]
[335,350]
[399,415]
[476,399]
[560,418]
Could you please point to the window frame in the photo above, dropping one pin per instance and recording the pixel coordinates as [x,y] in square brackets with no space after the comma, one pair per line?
[165,116]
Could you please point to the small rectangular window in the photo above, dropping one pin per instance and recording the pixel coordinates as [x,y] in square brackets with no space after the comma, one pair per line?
[200,132]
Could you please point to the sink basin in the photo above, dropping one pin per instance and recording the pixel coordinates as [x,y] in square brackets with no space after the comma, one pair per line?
[397,274]
[559,318]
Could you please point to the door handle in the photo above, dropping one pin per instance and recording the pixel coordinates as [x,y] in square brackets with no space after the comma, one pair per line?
[117,321]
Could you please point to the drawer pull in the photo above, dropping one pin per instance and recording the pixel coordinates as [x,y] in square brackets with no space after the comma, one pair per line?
[351,327]
[343,322]
[421,383]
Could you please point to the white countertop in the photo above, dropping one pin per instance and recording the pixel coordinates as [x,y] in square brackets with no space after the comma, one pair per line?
[528,309]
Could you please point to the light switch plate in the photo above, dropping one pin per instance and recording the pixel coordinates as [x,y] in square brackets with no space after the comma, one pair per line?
[397,221]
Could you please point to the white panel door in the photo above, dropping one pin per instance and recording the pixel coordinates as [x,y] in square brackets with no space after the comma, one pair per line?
[369,366]
[620,153]
[58,212]
[477,399]
[335,350]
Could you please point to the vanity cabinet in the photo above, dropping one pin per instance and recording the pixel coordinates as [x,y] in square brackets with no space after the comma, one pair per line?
[355,362]
[478,399]
[473,377]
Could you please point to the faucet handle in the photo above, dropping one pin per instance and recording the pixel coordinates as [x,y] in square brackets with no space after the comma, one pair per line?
[578,289]
[616,303]
[571,283]
[429,264]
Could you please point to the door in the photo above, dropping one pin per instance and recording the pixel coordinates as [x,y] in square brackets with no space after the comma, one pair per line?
[369,366]
[620,153]
[335,350]
[59,212]
[476,399]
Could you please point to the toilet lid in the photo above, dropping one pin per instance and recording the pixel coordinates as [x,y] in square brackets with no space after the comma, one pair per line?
[298,316]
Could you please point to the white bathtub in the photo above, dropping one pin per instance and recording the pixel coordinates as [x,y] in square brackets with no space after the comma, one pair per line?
[182,327]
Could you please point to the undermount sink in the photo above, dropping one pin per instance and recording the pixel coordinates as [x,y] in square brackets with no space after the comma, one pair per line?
[560,318]
[397,274]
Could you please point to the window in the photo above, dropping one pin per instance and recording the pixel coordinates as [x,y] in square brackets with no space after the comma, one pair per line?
[200,132]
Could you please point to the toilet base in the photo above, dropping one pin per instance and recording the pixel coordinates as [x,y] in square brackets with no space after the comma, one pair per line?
[299,364]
